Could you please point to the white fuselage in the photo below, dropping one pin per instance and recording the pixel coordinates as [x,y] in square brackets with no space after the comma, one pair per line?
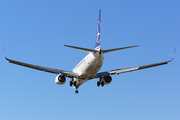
[88,67]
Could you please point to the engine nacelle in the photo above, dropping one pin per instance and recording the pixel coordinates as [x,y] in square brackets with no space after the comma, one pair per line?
[107,80]
[60,79]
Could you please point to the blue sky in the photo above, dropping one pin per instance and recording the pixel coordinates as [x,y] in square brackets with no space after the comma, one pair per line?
[34,31]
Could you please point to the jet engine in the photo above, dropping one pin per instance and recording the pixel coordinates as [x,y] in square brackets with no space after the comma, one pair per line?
[107,80]
[60,79]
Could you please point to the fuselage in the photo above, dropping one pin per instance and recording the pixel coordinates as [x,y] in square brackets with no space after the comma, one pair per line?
[88,67]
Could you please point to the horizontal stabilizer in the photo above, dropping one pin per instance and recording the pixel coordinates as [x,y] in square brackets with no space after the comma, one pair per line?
[110,50]
[83,49]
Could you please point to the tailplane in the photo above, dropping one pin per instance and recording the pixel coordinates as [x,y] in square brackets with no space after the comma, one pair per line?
[111,50]
[83,49]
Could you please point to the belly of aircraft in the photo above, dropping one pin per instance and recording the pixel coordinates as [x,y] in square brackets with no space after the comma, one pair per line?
[92,68]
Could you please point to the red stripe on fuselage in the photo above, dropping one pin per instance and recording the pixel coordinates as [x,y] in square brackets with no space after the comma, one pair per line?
[97,48]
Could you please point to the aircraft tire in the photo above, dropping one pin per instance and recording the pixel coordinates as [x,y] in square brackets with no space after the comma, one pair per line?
[74,83]
[98,83]
[70,83]
[102,83]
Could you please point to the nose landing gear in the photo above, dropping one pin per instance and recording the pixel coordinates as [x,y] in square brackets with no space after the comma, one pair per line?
[76,91]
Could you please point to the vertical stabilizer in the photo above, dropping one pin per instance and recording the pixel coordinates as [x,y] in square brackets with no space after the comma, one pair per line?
[97,45]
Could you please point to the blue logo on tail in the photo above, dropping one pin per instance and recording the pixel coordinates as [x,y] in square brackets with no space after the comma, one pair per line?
[97,45]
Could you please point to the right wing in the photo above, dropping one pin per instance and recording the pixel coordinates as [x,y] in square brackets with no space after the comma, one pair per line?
[46,69]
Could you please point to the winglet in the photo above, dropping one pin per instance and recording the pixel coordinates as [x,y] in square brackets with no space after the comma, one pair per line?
[5,53]
[173,54]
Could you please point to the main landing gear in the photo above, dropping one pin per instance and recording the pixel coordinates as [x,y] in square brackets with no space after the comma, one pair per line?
[74,83]
[100,82]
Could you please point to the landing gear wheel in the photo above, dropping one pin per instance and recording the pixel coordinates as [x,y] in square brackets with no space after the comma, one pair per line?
[102,83]
[71,83]
[98,83]
[74,83]
[77,91]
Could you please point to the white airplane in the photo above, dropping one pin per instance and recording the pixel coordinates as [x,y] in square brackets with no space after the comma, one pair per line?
[88,68]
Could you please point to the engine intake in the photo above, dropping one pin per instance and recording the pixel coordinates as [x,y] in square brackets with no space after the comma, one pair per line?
[107,80]
[60,79]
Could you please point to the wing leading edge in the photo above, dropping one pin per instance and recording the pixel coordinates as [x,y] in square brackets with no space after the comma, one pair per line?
[45,69]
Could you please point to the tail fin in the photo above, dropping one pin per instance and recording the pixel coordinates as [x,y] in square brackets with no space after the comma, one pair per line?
[97,45]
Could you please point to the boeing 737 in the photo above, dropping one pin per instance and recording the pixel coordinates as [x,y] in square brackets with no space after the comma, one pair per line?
[88,68]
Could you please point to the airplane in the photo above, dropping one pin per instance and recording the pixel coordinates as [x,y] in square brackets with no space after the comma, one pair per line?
[88,68]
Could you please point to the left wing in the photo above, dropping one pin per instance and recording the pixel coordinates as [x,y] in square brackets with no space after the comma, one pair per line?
[131,69]
[46,69]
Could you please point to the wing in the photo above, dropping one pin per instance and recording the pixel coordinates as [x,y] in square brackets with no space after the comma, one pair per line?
[131,69]
[46,69]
